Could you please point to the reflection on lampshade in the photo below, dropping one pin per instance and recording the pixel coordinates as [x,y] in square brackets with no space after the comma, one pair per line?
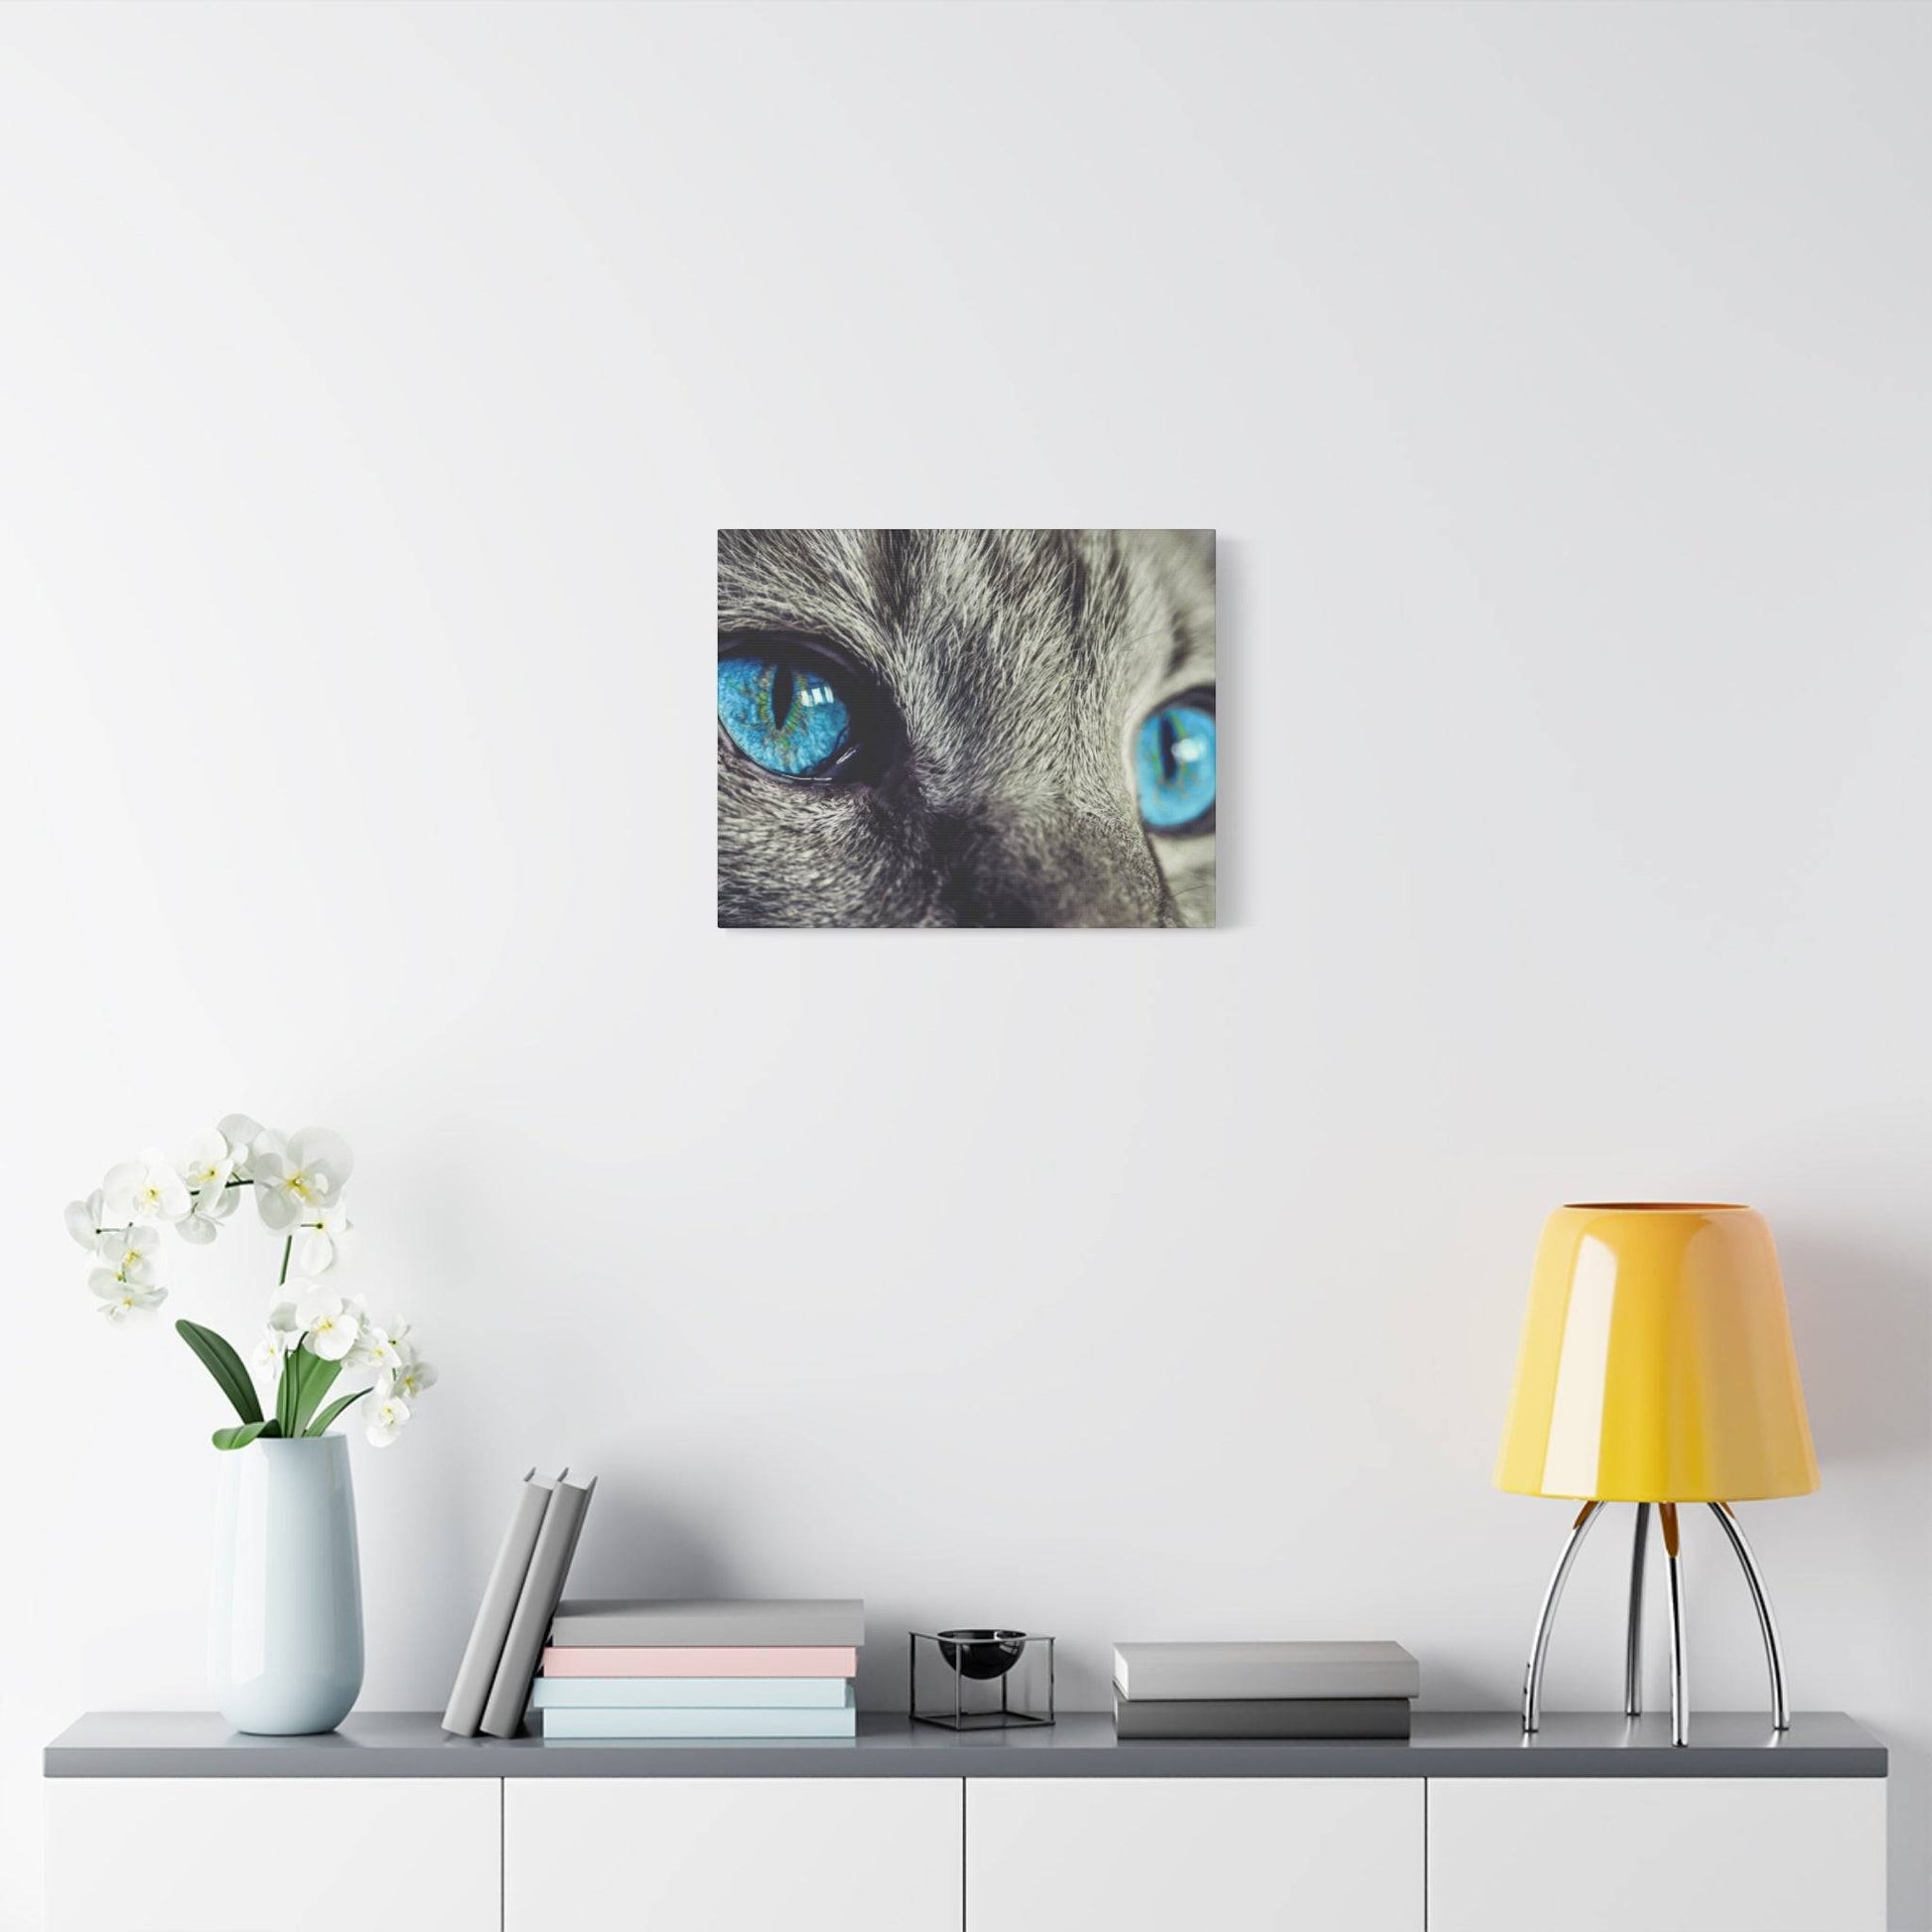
[1656,1362]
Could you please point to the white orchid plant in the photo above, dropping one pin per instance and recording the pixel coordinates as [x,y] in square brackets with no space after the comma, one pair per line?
[315,1336]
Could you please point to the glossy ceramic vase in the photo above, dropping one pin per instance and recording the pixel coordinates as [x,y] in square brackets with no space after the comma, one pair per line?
[285,1626]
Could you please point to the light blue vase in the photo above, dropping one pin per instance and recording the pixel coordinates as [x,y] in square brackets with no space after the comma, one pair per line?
[285,1627]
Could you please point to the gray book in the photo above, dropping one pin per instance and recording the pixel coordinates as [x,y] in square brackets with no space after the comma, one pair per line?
[1154,1671]
[674,1625]
[482,1654]
[536,1604]
[1279,1718]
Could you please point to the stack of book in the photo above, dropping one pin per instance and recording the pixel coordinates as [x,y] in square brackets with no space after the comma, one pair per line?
[1263,1690]
[657,1669]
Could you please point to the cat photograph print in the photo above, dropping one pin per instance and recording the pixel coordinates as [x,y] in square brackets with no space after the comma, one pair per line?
[951,728]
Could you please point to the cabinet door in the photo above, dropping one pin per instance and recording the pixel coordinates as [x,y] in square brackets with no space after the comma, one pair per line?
[1160,1854]
[731,1855]
[272,1854]
[1656,1855]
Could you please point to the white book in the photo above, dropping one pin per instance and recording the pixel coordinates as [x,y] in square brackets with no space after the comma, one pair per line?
[646,1725]
[691,1693]
[1154,1672]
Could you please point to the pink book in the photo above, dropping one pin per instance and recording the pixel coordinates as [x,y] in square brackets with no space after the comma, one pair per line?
[736,1660]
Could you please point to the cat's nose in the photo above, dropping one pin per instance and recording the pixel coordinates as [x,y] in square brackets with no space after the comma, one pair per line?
[1069,868]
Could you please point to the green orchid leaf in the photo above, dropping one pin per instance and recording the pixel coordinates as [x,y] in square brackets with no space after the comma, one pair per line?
[317,1380]
[240,1434]
[222,1362]
[289,1389]
[320,1427]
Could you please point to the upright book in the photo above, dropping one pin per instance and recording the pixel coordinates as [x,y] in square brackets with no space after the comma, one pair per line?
[485,1650]
[1159,1670]
[792,1623]
[536,1604]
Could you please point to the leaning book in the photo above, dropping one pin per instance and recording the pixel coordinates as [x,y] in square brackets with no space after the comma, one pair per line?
[536,1604]
[485,1650]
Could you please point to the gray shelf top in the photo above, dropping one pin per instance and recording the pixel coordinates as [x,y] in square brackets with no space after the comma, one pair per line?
[1446,1744]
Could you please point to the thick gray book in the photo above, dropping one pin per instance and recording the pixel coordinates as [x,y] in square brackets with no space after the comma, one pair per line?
[1265,1670]
[536,1604]
[1295,1718]
[679,1624]
[482,1654]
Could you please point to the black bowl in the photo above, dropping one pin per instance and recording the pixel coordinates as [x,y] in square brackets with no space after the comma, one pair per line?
[982,1655]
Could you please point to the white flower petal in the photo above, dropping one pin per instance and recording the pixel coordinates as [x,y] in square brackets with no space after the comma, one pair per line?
[81,1219]
[117,1189]
[324,1155]
[279,1209]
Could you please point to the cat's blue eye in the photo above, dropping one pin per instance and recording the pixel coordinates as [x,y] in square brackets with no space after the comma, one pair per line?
[783,714]
[1173,767]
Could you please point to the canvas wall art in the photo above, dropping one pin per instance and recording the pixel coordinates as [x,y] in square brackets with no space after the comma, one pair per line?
[966,727]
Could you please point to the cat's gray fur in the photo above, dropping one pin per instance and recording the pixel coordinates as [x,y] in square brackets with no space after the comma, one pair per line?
[1018,663]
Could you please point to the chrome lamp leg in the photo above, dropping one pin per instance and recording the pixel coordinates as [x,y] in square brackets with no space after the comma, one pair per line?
[1540,1644]
[1767,1623]
[1680,1696]
[1633,1638]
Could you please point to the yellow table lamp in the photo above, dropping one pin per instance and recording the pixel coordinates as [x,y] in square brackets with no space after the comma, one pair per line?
[1656,1367]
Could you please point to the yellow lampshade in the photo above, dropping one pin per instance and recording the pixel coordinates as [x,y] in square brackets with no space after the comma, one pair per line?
[1656,1363]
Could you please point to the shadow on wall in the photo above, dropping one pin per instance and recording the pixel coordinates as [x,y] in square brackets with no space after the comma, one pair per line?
[1862,1318]
[636,1544]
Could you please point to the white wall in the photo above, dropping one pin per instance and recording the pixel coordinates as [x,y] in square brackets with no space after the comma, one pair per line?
[374,380]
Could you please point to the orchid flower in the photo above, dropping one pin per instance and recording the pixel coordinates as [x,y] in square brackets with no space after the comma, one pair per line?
[407,1379]
[295,1181]
[84,1219]
[376,1348]
[330,1327]
[145,1189]
[241,1134]
[279,1338]
[120,1298]
[206,1166]
[386,1421]
[211,1207]
[323,1241]
[130,1252]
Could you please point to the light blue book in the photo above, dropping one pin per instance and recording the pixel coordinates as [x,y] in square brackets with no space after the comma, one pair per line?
[645,1723]
[692,1692]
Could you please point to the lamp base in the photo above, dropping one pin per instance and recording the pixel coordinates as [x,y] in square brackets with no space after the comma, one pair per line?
[1680,1698]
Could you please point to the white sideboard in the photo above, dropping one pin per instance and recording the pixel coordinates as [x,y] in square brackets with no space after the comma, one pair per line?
[821,1854]
[170,1823]
[1152,1855]
[243,1854]
[1610,1854]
